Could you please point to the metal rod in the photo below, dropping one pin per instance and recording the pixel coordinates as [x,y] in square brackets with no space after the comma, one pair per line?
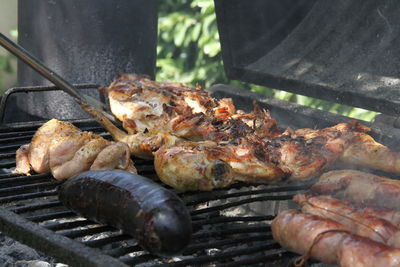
[56,79]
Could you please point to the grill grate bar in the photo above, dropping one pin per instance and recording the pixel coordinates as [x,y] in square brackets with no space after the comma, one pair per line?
[14,139]
[37,207]
[14,134]
[12,147]
[274,256]
[118,252]
[27,196]
[231,219]
[217,257]
[237,230]
[241,202]
[15,189]
[89,231]
[8,175]
[24,179]
[137,260]
[68,225]
[221,243]
[210,197]
[108,240]
[7,155]
[229,234]
[51,216]
[8,164]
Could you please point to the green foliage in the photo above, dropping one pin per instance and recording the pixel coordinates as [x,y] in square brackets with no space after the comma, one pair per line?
[5,63]
[189,51]
[188,45]
[5,68]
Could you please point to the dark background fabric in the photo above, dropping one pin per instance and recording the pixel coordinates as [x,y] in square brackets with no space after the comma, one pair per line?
[87,41]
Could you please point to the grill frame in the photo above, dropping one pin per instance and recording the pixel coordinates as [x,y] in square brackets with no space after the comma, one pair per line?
[249,235]
[16,220]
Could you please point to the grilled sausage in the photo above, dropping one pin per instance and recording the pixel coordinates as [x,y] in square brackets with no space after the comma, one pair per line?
[155,216]
[360,188]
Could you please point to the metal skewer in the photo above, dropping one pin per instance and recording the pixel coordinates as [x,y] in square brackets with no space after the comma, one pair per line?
[50,75]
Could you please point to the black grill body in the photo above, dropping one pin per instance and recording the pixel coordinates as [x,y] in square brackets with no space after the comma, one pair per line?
[84,42]
[313,48]
[345,52]
[231,225]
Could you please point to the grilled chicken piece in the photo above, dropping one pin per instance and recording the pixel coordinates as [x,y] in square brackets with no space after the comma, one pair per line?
[355,147]
[141,145]
[329,242]
[169,114]
[62,149]
[359,188]
[207,165]
[292,155]
[174,108]
[145,106]
[359,223]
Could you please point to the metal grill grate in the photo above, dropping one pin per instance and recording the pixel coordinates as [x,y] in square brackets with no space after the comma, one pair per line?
[231,225]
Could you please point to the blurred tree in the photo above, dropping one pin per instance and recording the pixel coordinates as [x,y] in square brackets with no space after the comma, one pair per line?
[6,63]
[189,51]
[5,68]
[188,46]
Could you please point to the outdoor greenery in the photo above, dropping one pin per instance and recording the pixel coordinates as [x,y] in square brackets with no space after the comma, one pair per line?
[6,60]
[5,67]
[189,51]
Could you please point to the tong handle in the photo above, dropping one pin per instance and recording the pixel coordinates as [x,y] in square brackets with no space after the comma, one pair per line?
[50,75]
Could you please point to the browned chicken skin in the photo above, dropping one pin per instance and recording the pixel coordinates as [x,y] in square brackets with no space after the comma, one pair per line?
[62,149]
[145,106]
[166,115]
[206,165]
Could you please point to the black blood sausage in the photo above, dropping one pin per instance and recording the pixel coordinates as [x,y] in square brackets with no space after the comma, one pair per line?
[155,216]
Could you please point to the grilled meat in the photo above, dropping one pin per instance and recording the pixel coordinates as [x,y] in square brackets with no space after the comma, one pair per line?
[355,251]
[141,145]
[207,165]
[305,233]
[390,215]
[361,224]
[62,149]
[329,242]
[145,106]
[355,147]
[172,115]
[142,104]
[174,108]
[359,188]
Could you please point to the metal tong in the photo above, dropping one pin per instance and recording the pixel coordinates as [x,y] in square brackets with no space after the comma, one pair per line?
[50,75]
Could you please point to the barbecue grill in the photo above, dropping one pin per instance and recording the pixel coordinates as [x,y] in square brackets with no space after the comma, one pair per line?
[231,225]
